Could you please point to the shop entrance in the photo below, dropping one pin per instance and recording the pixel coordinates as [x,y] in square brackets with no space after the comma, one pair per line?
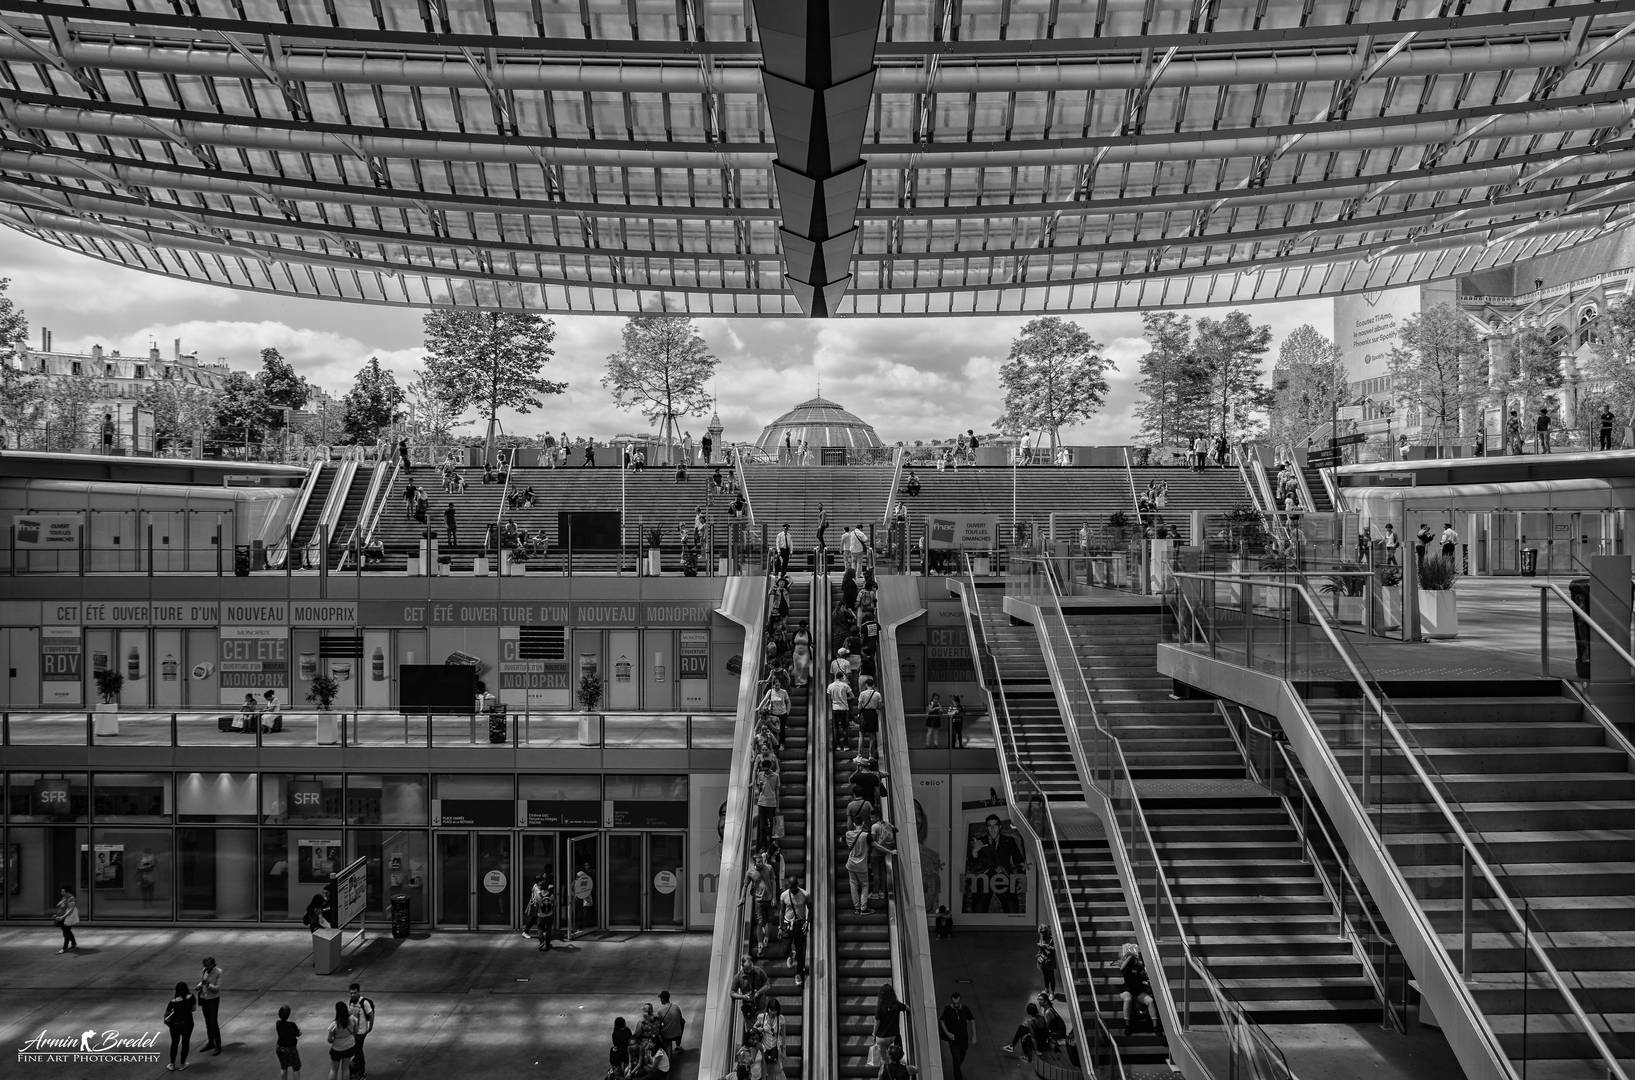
[584,892]
[644,880]
[475,881]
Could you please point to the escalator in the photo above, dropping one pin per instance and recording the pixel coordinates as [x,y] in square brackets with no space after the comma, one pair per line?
[351,509]
[312,511]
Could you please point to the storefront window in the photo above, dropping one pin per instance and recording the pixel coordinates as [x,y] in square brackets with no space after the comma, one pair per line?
[216,873]
[47,797]
[132,797]
[206,797]
[568,801]
[647,801]
[486,802]
[295,867]
[374,799]
[132,873]
[39,861]
[300,798]
[397,867]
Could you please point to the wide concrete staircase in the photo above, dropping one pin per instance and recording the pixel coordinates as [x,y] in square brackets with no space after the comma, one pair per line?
[1550,802]
[474,512]
[1213,490]
[1036,735]
[1252,907]
[790,494]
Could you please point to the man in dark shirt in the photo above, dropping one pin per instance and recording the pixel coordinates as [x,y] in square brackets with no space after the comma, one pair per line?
[1608,421]
[957,1027]
[749,990]
[866,784]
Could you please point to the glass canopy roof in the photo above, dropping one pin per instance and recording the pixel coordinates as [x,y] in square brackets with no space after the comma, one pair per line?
[1022,155]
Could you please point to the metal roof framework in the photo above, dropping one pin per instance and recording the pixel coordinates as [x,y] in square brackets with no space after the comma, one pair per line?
[1018,156]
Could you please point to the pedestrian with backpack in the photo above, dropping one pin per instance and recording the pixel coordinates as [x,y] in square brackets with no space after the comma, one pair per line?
[672,1025]
[362,1010]
[857,867]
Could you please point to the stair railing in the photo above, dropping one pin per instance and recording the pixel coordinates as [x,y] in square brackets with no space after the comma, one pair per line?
[898,456]
[1299,645]
[1346,891]
[363,530]
[1252,1052]
[1103,1054]
[1129,477]
[820,1020]
[1549,592]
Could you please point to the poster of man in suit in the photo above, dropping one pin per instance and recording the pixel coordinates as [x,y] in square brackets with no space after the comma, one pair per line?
[995,877]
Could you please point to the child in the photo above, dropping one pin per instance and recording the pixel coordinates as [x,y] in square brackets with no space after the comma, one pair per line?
[289,1057]
[945,923]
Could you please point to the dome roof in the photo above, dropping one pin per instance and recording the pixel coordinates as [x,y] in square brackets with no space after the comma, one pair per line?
[821,423]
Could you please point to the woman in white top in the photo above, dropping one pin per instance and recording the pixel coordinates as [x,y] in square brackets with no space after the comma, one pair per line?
[772,1034]
[343,1039]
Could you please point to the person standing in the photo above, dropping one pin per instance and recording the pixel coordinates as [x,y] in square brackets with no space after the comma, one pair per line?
[857,866]
[107,433]
[822,527]
[1392,543]
[1450,540]
[1044,954]
[671,1023]
[287,1036]
[1541,429]
[342,1038]
[403,454]
[1221,450]
[362,1010]
[1608,421]
[1512,430]
[706,444]
[686,448]
[1422,541]
[66,917]
[957,1027]
[840,703]
[590,455]
[749,990]
[795,909]
[785,549]
[933,722]
[788,455]
[209,993]
[179,1020]
[449,524]
[888,1029]
[956,724]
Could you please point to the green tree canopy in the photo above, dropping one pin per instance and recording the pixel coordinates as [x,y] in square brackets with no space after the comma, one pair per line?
[1055,377]
[20,402]
[663,371]
[1611,367]
[428,416]
[1174,393]
[1439,368]
[241,417]
[490,360]
[279,388]
[1229,353]
[374,403]
[180,412]
[1308,386]
[1534,359]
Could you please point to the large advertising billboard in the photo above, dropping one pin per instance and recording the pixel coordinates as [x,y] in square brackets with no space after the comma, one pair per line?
[1367,327]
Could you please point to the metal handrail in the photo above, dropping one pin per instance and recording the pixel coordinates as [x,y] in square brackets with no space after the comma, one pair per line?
[1129,476]
[896,479]
[1118,773]
[1010,761]
[743,486]
[821,1052]
[1619,739]
[1352,888]
[1472,851]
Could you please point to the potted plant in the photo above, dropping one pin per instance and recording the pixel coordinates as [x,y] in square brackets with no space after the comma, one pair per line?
[1390,582]
[654,540]
[590,696]
[322,693]
[1438,610]
[1347,587]
[109,683]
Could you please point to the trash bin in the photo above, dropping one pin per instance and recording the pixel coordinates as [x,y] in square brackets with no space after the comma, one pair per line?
[258,555]
[496,725]
[241,560]
[400,916]
[326,951]
[1529,562]
[1579,589]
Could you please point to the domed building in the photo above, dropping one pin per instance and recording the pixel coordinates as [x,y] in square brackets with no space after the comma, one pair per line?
[821,423]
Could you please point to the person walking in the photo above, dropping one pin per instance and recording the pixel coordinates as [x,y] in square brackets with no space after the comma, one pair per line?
[179,1020]
[547,917]
[590,455]
[342,1037]
[933,722]
[209,994]
[1608,421]
[707,445]
[403,454]
[957,1027]
[1044,954]
[1221,450]
[1541,429]
[363,1022]
[287,1037]
[686,448]
[1512,431]
[888,1023]
[671,1023]
[795,912]
[1392,543]
[822,527]
[784,549]
[450,525]
[66,917]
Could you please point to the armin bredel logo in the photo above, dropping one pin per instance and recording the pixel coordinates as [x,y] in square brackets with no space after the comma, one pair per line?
[89,1046]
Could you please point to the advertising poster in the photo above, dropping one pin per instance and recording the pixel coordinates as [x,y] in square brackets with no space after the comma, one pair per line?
[167,675]
[695,669]
[57,531]
[108,867]
[950,532]
[254,659]
[316,860]
[377,681]
[134,662]
[931,823]
[62,666]
[994,874]
[707,821]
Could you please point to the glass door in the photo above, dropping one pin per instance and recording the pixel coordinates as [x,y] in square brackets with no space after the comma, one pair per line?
[626,881]
[667,876]
[584,887]
[493,886]
[454,880]
[539,859]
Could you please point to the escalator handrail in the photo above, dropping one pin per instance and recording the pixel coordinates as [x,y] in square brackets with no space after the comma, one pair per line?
[1388,721]
[910,936]
[820,1025]
[1140,834]
[1011,761]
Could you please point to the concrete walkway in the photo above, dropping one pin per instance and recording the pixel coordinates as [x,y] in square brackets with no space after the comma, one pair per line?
[449,1005]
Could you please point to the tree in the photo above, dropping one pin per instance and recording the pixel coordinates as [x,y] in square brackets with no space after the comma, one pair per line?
[1439,368]
[663,371]
[1229,352]
[20,403]
[180,412]
[374,403]
[1171,383]
[427,416]
[279,388]
[491,359]
[71,421]
[1534,366]
[1308,385]
[1055,376]
[1611,367]
[240,418]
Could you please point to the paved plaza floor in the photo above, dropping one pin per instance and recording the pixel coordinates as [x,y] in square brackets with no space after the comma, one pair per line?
[449,1006]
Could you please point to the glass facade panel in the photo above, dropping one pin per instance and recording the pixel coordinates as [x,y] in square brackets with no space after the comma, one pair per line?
[228,798]
[397,866]
[132,873]
[46,797]
[132,797]
[301,798]
[216,873]
[375,799]
[39,861]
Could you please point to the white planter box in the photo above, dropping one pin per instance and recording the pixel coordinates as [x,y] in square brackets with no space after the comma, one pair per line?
[655,565]
[588,735]
[106,721]
[980,565]
[1351,610]
[1439,613]
[1390,608]
[479,566]
[329,730]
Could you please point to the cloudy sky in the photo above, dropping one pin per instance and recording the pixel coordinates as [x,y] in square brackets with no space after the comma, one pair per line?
[911,378]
